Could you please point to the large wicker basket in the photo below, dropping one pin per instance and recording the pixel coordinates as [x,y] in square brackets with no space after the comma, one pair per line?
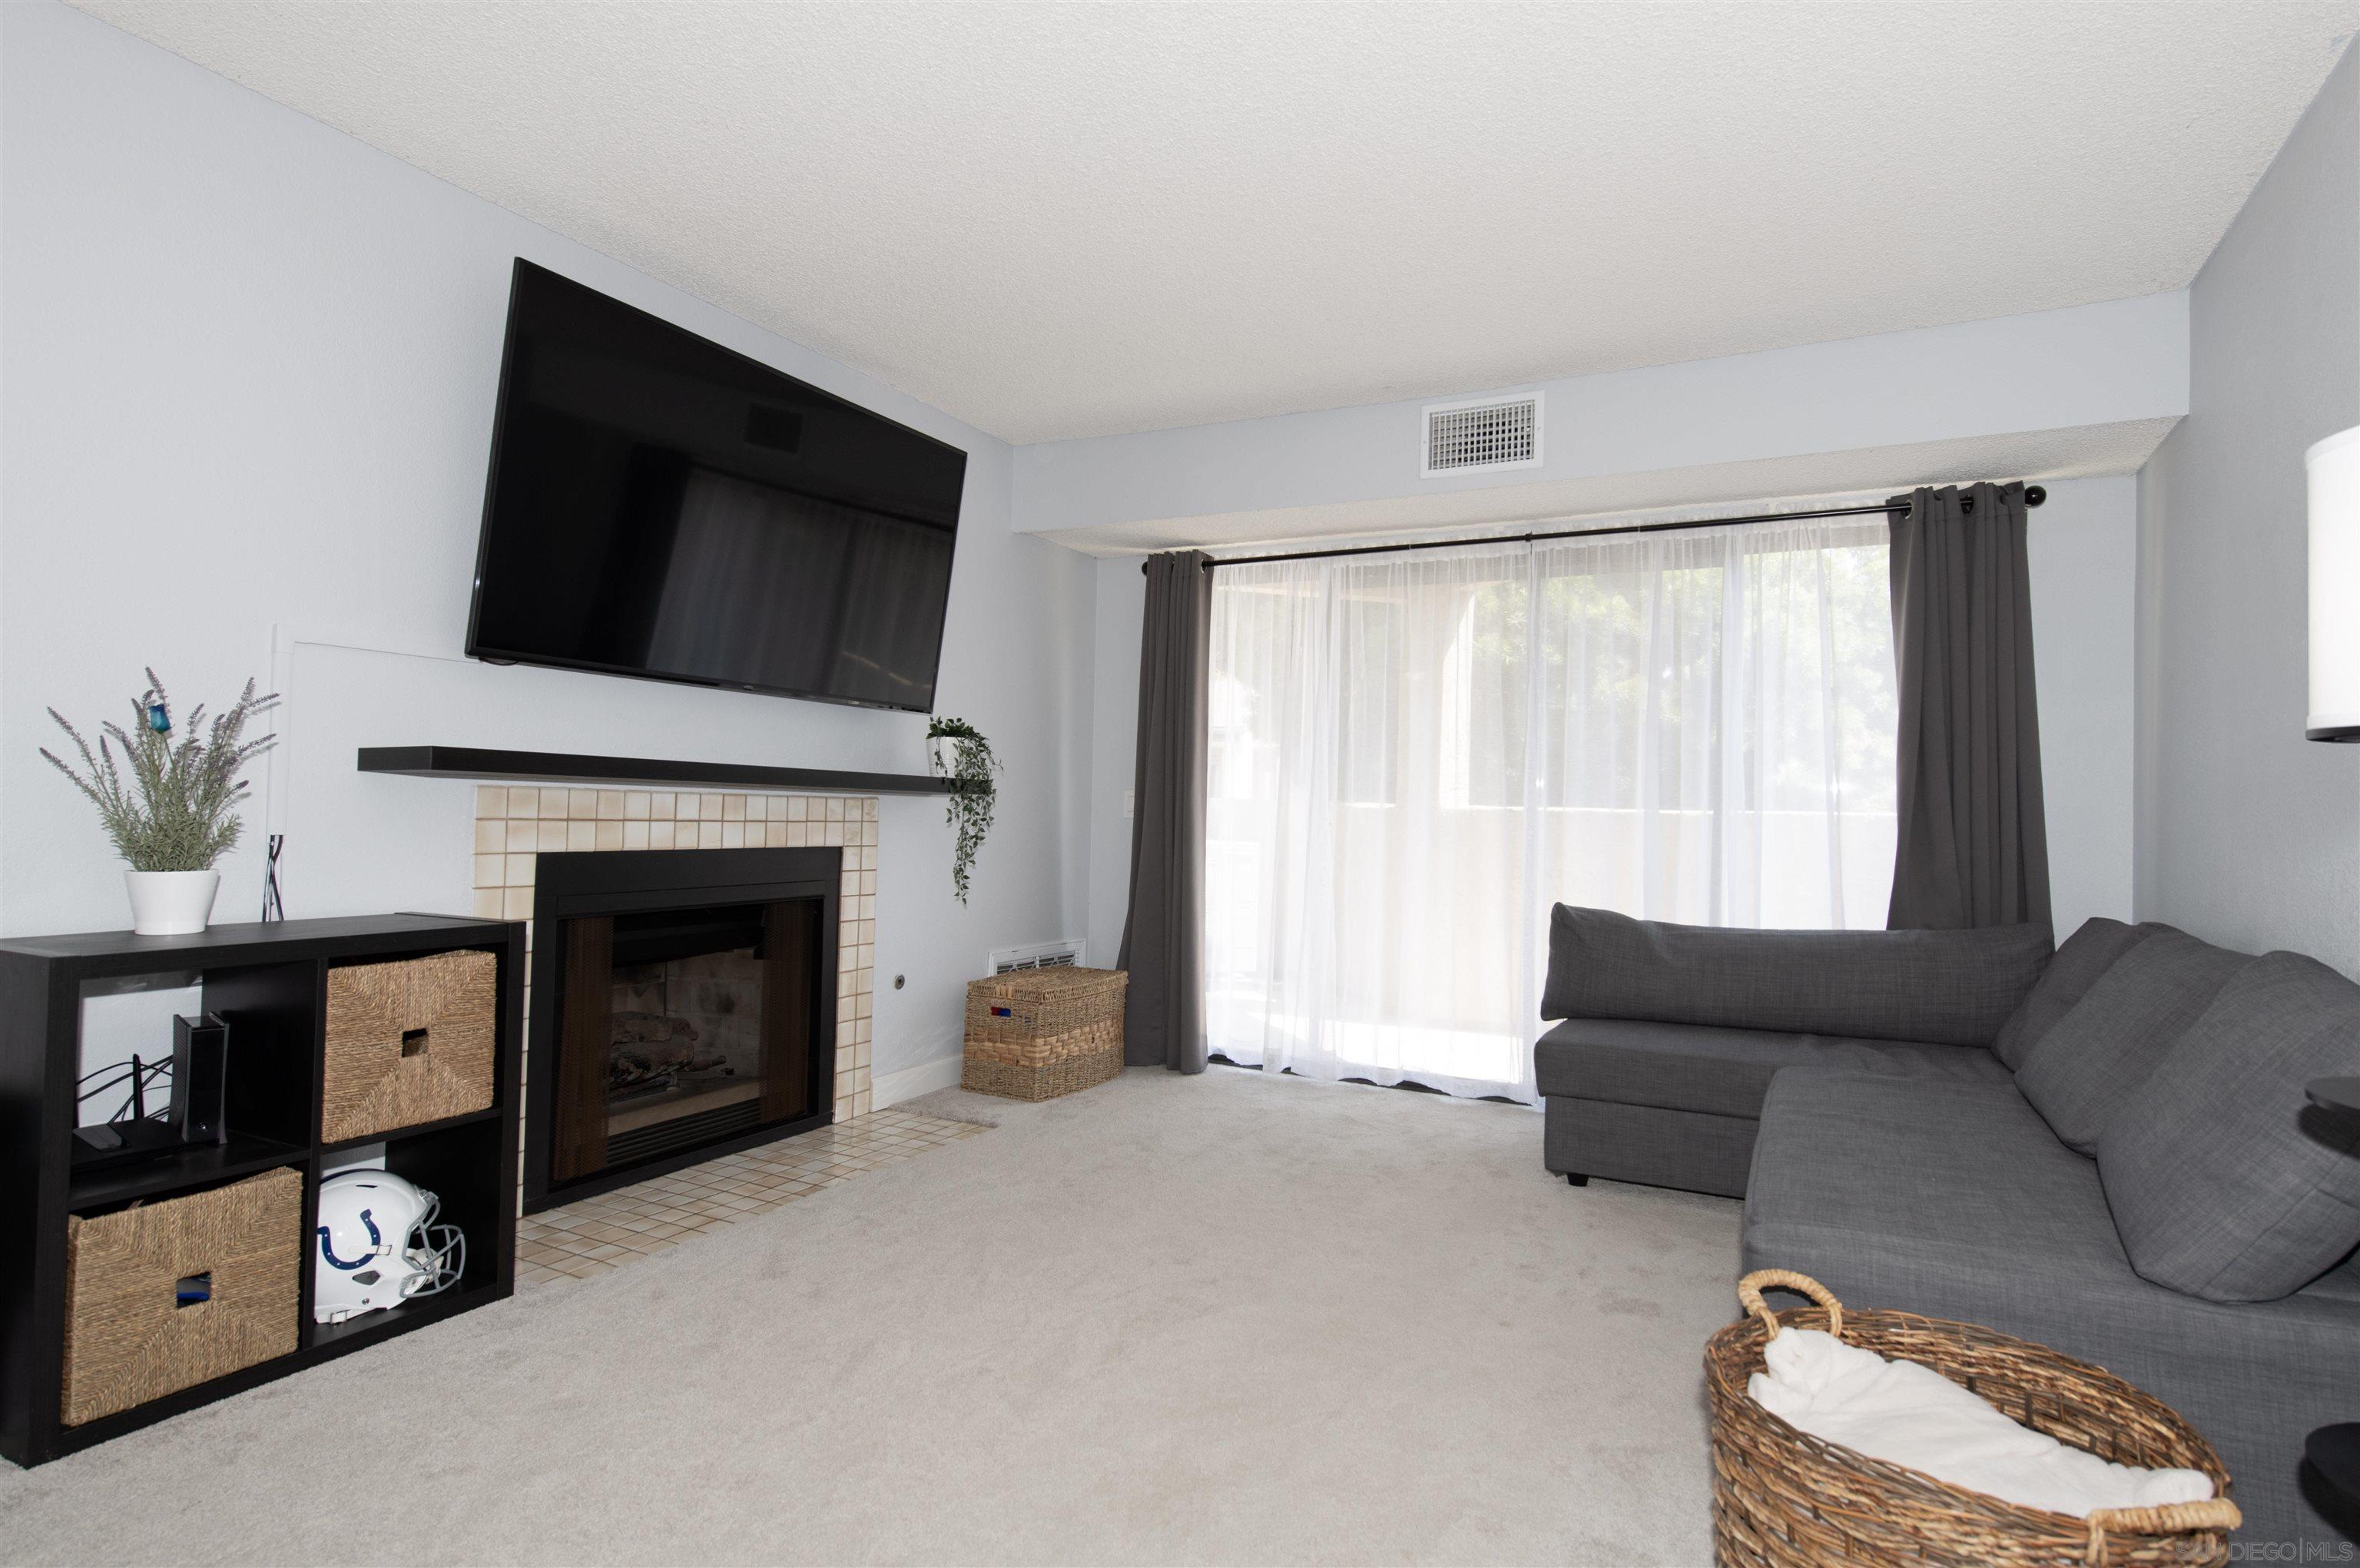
[410,1041]
[1782,1496]
[165,1296]
[1037,1034]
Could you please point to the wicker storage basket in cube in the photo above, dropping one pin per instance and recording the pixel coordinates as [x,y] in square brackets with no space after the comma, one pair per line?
[409,1041]
[1037,1034]
[167,1295]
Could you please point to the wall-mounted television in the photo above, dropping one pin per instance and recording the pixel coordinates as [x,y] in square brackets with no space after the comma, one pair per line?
[661,506]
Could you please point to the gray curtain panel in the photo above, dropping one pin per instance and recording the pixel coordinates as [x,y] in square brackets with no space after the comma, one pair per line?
[1163,942]
[1973,840]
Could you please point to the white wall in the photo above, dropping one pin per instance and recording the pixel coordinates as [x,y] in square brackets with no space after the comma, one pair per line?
[2249,835]
[2083,391]
[2085,549]
[1114,736]
[250,371]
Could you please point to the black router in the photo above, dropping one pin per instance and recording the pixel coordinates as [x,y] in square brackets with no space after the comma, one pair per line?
[191,1113]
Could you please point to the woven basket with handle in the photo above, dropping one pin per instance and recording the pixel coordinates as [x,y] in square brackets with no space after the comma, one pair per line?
[1782,1496]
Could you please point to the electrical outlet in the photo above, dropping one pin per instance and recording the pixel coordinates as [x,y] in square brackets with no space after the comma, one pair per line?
[1126,805]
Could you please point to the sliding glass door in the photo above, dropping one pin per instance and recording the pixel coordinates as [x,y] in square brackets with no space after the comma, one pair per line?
[1413,756]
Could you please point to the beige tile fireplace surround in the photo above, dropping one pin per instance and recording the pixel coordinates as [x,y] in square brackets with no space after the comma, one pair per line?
[517,824]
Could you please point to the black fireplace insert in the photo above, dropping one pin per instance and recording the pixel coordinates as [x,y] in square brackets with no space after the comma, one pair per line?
[683,1006]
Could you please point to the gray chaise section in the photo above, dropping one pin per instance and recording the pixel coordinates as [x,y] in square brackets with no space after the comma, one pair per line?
[1672,1032]
[1676,1104]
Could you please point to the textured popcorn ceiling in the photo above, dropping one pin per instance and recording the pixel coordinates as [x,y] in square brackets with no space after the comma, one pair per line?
[1061,220]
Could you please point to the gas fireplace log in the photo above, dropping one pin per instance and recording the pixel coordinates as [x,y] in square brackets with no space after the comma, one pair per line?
[650,1046]
[631,1027]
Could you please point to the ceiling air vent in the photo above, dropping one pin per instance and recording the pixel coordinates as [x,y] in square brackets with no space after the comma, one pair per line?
[1484,432]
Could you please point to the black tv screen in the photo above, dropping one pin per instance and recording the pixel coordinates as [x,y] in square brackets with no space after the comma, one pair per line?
[661,506]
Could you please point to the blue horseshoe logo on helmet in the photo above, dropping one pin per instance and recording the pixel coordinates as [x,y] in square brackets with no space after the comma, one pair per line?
[328,1248]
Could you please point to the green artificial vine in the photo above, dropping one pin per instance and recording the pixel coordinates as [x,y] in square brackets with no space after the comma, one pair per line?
[178,810]
[973,794]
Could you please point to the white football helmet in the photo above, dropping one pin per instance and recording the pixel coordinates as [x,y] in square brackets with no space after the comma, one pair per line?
[379,1245]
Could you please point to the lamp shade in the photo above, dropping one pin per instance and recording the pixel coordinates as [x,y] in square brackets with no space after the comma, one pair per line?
[2334,466]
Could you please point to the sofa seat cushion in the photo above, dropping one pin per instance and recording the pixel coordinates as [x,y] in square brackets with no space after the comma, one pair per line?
[1955,988]
[1724,1073]
[2225,1181]
[1931,1176]
[2094,1058]
[1955,1200]
[2080,961]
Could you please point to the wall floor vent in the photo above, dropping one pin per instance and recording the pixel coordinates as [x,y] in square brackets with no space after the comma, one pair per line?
[1040,955]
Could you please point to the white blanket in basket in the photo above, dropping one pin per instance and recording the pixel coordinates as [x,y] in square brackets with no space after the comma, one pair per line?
[1912,1415]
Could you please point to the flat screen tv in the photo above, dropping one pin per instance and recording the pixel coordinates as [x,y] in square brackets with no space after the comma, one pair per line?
[661,506]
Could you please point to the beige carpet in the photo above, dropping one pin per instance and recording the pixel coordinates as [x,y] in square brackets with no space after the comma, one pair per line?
[1224,1319]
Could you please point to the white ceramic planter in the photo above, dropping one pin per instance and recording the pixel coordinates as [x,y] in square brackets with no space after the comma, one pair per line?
[945,755]
[170,903]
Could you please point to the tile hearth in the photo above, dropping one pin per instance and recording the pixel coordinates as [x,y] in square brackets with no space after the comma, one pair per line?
[612,1229]
[516,824]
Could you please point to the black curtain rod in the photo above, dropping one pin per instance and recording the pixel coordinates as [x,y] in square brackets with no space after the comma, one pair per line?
[2033,495]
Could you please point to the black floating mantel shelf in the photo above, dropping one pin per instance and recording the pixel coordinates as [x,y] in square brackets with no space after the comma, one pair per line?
[632,773]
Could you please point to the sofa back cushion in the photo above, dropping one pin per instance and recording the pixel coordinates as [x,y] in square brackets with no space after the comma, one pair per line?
[2083,957]
[1952,988]
[2091,1061]
[2225,1182]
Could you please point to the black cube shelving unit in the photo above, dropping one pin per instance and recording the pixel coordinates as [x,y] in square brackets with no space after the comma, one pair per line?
[270,982]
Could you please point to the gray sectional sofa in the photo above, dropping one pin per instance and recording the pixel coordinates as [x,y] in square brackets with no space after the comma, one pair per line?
[2106,1149]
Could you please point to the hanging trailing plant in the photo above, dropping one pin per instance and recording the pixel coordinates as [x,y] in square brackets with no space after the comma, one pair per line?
[957,753]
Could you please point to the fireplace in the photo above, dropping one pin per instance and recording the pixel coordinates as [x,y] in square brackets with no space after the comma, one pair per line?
[684,1006]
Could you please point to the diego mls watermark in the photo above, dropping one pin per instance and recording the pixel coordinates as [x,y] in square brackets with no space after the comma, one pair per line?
[2290,1552]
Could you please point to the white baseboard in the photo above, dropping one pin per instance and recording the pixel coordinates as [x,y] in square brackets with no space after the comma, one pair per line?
[892,1088]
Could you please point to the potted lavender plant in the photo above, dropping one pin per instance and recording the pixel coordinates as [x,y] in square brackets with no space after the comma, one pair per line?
[177,814]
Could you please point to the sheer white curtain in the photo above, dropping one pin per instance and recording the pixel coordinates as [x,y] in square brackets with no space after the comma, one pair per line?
[1413,756]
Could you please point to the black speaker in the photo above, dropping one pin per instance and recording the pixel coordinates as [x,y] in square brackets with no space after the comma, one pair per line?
[200,1051]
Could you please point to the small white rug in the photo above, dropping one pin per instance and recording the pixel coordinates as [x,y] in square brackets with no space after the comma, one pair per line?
[1222,1318]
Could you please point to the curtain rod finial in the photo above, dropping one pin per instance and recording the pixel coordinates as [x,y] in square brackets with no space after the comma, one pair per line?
[2035,494]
